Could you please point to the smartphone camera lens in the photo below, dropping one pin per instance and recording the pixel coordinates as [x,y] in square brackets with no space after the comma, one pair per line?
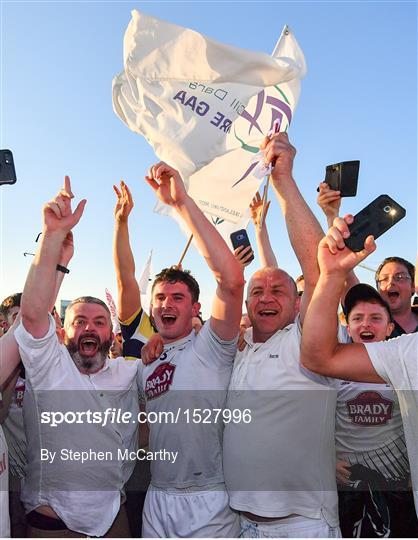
[389,210]
[8,159]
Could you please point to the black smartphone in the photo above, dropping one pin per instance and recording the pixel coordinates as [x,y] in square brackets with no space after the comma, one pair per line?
[343,177]
[7,168]
[376,218]
[240,238]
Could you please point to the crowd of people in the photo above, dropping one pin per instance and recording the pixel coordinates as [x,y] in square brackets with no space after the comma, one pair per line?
[287,420]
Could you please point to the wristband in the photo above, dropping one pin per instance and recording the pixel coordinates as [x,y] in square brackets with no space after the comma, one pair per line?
[62,269]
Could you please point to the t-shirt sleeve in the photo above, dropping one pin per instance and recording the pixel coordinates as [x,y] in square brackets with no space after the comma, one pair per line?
[38,355]
[214,351]
[389,359]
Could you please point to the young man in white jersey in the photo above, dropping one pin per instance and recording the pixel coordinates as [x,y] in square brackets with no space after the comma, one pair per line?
[372,462]
[393,361]
[187,496]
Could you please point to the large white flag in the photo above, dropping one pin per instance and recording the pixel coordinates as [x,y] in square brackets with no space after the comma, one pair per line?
[189,96]
[224,188]
[145,278]
[144,283]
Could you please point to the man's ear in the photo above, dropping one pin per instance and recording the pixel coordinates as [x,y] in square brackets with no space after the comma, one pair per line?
[61,334]
[297,304]
[348,329]
[390,329]
[195,309]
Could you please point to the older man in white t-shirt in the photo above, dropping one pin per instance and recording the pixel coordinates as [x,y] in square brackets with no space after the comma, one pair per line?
[280,467]
[63,495]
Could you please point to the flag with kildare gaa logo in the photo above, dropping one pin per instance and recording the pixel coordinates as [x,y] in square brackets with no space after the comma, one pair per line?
[205,107]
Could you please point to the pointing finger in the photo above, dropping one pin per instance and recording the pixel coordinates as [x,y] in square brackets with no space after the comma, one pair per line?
[67,187]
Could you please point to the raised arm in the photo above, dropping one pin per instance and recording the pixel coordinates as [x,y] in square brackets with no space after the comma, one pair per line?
[9,350]
[227,306]
[129,296]
[66,254]
[320,351]
[302,226]
[329,200]
[265,251]
[39,291]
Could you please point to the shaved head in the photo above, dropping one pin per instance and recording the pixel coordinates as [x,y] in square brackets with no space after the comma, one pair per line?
[272,302]
[272,271]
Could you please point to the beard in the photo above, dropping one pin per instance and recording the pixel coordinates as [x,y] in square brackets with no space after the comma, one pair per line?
[88,363]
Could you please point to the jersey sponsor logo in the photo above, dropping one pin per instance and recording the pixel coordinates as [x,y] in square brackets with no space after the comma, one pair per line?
[160,380]
[3,463]
[19,393]
[370,409]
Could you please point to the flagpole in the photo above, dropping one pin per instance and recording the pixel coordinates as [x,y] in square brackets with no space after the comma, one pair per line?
[264,201]
[276,129]
[185,250]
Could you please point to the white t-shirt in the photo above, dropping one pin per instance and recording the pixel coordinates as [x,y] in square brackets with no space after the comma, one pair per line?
[189,379]
[283,462]
[86,496]
[396,361]
[4,488]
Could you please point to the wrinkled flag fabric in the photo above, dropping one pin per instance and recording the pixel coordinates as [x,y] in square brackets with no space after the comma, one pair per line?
[190,97]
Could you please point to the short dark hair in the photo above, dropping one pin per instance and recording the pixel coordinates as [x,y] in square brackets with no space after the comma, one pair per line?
[89,300]
[409,266]
[174,275]
[10,302]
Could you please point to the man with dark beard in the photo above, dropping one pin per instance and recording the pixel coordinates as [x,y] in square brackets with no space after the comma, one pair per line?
[87,348]
[75,474]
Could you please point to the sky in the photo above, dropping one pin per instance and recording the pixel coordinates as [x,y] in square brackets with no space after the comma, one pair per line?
[57,62]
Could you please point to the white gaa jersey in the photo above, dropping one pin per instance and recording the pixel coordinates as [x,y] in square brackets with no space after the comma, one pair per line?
[189,382]
[396,361]
[369,430]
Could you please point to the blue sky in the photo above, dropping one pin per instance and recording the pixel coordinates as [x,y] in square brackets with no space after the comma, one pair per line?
[358,101]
